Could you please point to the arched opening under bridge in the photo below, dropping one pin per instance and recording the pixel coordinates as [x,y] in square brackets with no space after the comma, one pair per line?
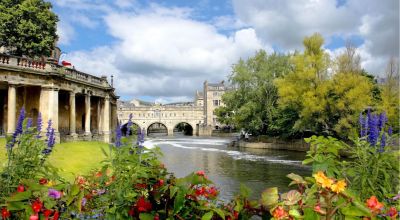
[132,131]
[157,129]
[183,128]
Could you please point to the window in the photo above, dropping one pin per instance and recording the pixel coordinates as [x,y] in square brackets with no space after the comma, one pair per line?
[215,93]
[216,102]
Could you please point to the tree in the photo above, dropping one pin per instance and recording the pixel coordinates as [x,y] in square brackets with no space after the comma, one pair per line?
[252,103]
[390,94]
[349,60]
[304,89]
[325,105]
[27,27]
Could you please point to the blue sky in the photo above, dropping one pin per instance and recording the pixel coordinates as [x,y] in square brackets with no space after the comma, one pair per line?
[164,50]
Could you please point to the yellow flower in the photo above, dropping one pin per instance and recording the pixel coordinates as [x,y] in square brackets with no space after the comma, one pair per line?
[50,183]
[339,186]
[323,180]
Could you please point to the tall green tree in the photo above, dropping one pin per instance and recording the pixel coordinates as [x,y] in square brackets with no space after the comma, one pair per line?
[252,103]
[304,89]
[27,27]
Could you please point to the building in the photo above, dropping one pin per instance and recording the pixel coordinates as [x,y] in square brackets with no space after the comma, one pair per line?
[213,99]
[80,105]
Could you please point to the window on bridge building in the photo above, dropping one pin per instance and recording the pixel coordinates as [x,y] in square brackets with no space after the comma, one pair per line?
[216,102]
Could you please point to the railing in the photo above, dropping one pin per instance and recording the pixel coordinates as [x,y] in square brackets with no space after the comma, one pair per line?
[41,66]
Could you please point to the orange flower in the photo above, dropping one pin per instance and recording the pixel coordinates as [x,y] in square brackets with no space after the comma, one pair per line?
[339,186]
[374,205]
[279,213]
[392,212]
[321,179]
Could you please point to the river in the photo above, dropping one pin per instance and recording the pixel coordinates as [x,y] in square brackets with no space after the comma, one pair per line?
[228,167]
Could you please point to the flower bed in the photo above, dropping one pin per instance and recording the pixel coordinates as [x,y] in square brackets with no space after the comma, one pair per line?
[133,184]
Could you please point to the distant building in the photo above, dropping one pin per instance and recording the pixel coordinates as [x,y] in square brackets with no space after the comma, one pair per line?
[199,98]
[213,99]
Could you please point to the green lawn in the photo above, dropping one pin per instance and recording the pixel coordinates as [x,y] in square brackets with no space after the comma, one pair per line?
[72,158]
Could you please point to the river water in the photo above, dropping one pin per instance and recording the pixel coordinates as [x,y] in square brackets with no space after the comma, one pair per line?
[228,167]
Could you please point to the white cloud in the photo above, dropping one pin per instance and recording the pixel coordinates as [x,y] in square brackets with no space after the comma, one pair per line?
[285,23]
[65,33]
[163,52]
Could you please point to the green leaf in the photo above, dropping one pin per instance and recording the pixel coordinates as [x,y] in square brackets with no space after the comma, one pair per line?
[220,213]
[295,213]
[309,214]
[20,196]
[179,201]
[244,191]
[207,216]
[15,206]
[297,179]
[269,197]
[146,216]
[74,190]
[173,191]
[307,161]
[352,211]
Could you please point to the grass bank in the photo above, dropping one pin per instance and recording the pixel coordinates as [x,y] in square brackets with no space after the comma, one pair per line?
[71,158]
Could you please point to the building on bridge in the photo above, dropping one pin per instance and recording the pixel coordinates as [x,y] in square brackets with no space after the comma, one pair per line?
[199,115]
[81,106]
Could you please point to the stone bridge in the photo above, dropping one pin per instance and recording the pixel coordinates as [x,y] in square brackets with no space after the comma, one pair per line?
[168,115]
[81,106]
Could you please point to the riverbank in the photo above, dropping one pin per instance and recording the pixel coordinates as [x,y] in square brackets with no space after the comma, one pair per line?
[274,143]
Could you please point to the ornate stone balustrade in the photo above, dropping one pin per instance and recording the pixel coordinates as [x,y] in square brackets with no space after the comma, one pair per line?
[50,68]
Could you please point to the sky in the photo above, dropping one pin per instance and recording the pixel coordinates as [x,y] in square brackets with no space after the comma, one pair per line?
[163,51]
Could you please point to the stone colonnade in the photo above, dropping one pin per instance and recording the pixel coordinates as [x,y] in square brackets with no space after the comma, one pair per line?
[49,108]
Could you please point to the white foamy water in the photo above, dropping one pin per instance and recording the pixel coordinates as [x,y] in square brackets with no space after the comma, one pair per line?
[215,145]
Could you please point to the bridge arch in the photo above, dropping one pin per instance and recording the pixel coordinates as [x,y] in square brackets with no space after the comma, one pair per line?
[133,131]
[158,128]
[185,128]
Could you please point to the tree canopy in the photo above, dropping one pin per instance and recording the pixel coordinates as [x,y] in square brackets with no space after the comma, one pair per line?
[27,27]
[305,92]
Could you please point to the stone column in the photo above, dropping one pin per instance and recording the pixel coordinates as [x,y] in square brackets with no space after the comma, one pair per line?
[106,120]
[72,116]
[87,115]
[48,107]
[170,131]
[11,105]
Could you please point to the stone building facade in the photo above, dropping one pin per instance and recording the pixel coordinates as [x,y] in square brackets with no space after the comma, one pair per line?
[199,114]
[213,99]
[80,106]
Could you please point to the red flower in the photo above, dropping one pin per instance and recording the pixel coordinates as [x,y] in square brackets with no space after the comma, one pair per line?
[5,213]
[131,212]
[43,181]
[143,205]
[99,174]
[156,217]
[47,213]
[37,206]
[160,182]
[200,173]
[34,217]
[236,214]
[374,205]
[279,213]
[20,188]
[200,191]
[392,212]
[213,191]
[56,215]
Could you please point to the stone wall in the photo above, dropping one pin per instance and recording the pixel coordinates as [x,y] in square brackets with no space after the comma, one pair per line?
[294,145]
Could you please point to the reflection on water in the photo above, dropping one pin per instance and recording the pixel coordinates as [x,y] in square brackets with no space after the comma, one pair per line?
[228,167]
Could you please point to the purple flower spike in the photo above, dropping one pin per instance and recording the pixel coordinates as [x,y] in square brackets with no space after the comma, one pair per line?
[382,121]
[39,125]
[118,136]
[18,129]
[55,194]
[373,130]
[390,131]
[29,123]
[129,125]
